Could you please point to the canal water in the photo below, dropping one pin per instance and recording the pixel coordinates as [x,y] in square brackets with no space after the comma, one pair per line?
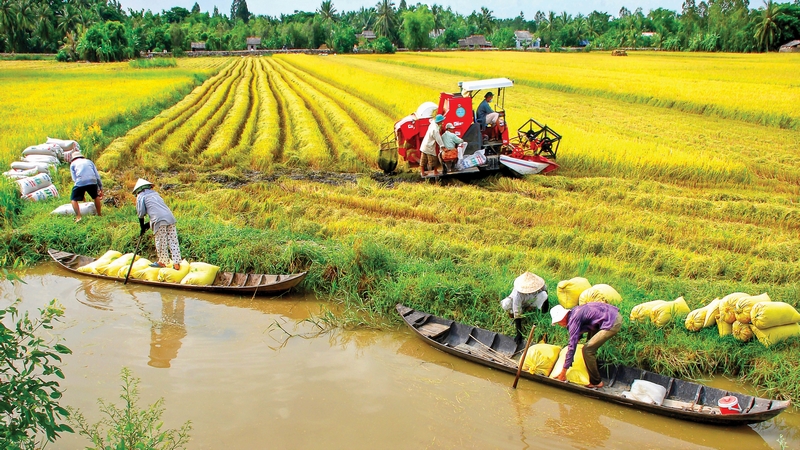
[261,373]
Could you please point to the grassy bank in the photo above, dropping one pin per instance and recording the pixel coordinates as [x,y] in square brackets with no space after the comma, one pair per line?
[655,201]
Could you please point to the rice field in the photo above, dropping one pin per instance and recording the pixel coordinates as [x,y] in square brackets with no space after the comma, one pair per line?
[679,176]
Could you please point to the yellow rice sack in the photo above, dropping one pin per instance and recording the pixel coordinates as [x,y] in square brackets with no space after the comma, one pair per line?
[149,274]
[601,293]
[769,336]
[576,374]
[703,317]
[569,291]
[541,358]
[742,331]
[641,312]
[100,262]
[200,274]
[138,268]
[665,313]
[112,269]
[745,304]
[773,314]
[724,328]
[171,275]
[727,306]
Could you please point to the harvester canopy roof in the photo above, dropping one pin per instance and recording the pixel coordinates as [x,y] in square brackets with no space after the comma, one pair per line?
[492,83]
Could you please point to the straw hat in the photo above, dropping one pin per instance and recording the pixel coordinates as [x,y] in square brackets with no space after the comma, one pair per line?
[558,313]
[140,184]
[528,283]
[75,155]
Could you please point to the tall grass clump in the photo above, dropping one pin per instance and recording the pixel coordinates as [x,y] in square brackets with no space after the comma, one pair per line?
[11,202]
[152,63]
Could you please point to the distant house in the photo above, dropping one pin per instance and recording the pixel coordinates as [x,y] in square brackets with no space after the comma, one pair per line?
[474,41]
[368,35]
[523,39]
[789,47]
[436,33]
[198,46]
[253,43]
[648,34]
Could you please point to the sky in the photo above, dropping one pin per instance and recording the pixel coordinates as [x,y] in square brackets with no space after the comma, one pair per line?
[502,9]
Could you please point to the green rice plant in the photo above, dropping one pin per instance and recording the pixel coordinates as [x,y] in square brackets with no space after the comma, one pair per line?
[11,203]
[309,146]
[151,63]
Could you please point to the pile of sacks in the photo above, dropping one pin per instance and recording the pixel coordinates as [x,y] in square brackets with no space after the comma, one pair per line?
[548,360]
[659,312]
[578,291]
[32,174]
[746,316]
[115,264]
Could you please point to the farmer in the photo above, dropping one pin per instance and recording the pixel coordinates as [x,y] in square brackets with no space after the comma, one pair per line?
[529,293]
[149,203]
[600,322]
[449,139]
[429,160]
[486,115]
[84,174]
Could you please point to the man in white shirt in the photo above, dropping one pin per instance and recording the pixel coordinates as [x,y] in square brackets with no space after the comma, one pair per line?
[429,160]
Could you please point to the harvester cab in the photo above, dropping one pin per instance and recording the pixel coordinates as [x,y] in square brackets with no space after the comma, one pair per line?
[487,146]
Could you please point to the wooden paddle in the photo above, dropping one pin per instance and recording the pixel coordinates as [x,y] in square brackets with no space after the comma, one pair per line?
[522,358]
[139,241]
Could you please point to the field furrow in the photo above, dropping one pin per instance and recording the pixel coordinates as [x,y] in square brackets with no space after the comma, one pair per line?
[309,147]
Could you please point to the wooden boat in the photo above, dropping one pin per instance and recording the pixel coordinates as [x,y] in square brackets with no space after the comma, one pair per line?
[227,282]
[684,400]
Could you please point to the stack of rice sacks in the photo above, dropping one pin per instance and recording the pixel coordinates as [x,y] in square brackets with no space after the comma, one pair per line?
[578,291]
[548,360]
[115,264]
[746,316]
[32,174]
[659,312]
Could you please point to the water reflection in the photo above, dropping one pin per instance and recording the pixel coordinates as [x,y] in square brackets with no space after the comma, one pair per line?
[166,333]
[96,293]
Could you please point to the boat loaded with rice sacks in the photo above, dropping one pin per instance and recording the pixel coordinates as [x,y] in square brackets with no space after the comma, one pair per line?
[684,399]
[225,282]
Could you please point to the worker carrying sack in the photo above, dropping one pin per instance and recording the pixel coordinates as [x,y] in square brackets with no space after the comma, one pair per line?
[600,293]
[665,313]
[201,274]
[745,304]
[727,306]
[576,374]
[770,336]
[541,358]
[773,314]
[569,291]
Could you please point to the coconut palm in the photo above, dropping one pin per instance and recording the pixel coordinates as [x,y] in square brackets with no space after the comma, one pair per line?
[385,19]
[327,11]
[486,20]
[365,19]
[767,28]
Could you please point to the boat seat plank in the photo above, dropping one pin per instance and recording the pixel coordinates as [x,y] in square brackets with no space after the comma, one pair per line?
[686,406]
[433,330]
[761,405]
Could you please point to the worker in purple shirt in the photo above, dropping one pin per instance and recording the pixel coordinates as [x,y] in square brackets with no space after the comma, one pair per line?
[600,322]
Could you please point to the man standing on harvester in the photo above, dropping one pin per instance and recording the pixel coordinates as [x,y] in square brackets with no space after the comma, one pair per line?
[149,203]
[429,159]
[600,322]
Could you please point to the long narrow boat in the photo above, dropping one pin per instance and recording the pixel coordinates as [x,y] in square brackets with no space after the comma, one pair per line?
[684,400]
[225,282]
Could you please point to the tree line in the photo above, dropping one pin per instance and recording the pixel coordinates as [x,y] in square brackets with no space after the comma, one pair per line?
[101,30]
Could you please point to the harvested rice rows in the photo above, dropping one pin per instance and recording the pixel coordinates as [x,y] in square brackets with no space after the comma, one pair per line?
[268,139]
[227,135]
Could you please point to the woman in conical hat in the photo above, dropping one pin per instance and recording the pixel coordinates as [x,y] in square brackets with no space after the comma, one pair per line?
[530,292]
[162,222]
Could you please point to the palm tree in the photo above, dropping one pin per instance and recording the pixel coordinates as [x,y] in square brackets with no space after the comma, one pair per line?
[365,19]
[43,23]
[327,11]
[766,29]
[386,19]
[486,20]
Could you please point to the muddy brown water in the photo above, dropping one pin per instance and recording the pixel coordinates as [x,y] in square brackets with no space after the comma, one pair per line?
[257,374]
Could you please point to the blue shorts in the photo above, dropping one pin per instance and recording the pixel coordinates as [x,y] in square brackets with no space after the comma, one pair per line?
[79,192]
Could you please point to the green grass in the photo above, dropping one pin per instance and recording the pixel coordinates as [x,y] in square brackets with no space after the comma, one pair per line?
[153,63]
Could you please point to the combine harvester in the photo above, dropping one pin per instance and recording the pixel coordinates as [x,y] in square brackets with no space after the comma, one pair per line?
[488,148]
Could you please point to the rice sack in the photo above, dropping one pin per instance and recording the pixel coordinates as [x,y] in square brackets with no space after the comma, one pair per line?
[569,291]
[601,293]
[201,274]
[541,358]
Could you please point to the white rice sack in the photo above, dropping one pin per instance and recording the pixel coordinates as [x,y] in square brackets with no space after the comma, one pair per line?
[43,149]
[86,208]
[42,194]
[41,158]
[66,145]
[34,183]
[41,167]
[17,174]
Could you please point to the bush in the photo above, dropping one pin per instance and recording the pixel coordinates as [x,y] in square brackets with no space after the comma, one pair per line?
[62,56]
[28,394]
[383,45]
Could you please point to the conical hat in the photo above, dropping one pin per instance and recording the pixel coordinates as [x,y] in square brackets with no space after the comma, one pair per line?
[528,283]
[141,183]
